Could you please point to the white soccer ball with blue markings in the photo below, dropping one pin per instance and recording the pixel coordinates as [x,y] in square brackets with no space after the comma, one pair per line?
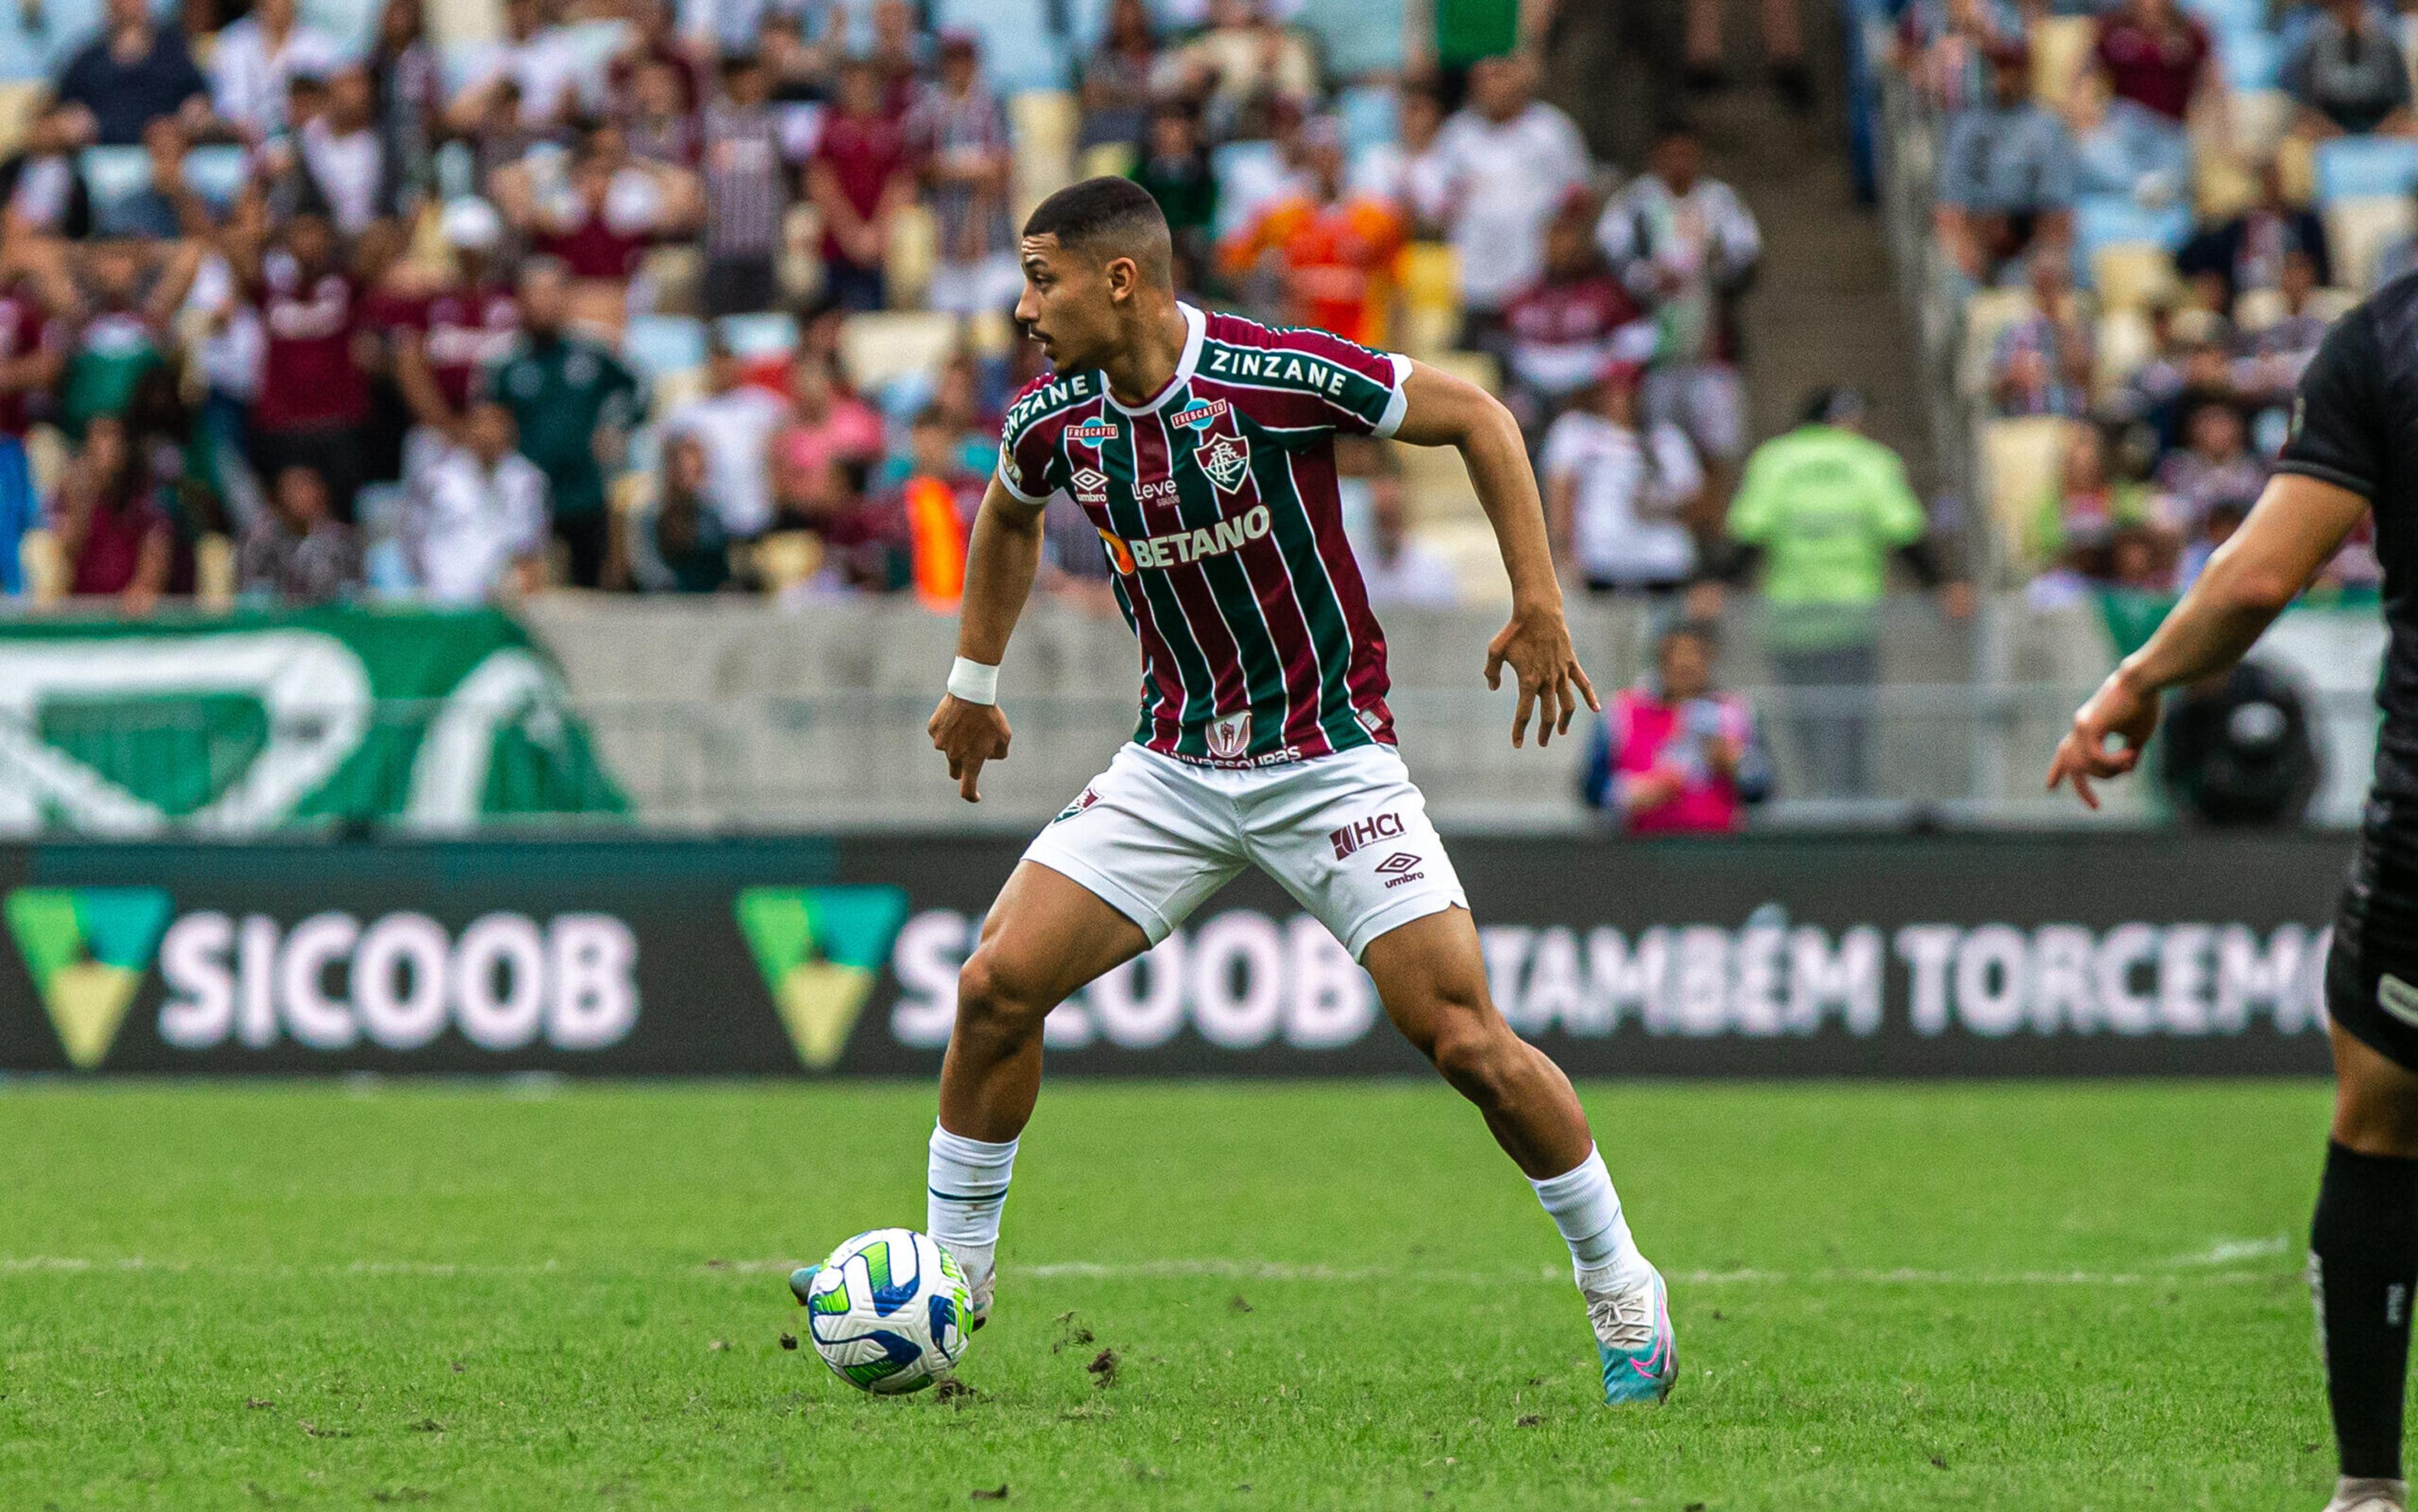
[890,1312]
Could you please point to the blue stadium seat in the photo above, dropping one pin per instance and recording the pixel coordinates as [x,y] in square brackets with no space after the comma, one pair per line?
[1241,167]
[2363,167]
[353,23]
[113,176]
[1368,118]
[1357,37]
[2105,220]
[753,338]
[657,346]
[2230,16]
[2251,59]
[1018,49]
[216,171]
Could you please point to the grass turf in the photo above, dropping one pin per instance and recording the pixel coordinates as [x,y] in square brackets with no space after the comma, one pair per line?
[1325,1296]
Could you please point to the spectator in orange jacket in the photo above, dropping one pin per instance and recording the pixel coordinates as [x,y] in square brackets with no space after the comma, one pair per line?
[1333,251]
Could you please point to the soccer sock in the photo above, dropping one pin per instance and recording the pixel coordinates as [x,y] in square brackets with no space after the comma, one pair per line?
[968,1186]
[1587,1210]
[2362,1261]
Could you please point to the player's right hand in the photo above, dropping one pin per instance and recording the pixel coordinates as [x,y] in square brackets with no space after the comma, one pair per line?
[2120,708]
[968,735]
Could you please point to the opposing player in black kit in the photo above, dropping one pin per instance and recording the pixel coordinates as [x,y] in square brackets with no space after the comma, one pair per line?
[2353,449]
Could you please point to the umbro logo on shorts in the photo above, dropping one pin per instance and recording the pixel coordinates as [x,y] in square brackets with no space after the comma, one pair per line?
[1401,867]
[1368,831]
[2398,998]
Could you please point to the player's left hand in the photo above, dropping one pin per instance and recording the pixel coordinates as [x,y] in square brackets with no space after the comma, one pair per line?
[1537,644]
[2120,708]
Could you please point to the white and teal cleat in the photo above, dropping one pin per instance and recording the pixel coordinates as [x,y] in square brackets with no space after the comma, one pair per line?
[1633,1337]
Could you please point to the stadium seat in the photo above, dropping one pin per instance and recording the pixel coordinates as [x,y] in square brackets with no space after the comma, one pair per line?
[767,336]
[2020,461]
[906,264]
[2358,231]
[2230,16]
[1429,273]
[1989,312]
[876,348]
[44,565]
[2221,187]
[1357,37]
[213,572]
[216,171]
[657,346]
[2131,275]
[2103,221]
[2123,342]
[1248,173]
[2251,59]
[2260,119]
[2060,45]
[1043,124]
[1020,51]
[460,22]
[2366,167]
[19,100]
[113,176]
[352,23]
[1368,113]
[1110,159]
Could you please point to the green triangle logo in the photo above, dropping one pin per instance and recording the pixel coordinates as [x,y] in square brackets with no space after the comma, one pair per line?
[820,950]
[87,949]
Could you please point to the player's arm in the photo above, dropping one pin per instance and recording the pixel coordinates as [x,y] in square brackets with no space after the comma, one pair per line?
[1443,410]
[1003,554]
[2299,523]
[2326,477]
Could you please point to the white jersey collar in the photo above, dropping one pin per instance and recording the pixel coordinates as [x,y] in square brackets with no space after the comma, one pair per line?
[1196,328]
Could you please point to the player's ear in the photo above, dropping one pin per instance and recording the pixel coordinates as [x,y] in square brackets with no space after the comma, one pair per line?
[1123,276]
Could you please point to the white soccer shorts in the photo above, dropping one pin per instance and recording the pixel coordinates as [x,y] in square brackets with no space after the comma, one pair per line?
[1347,835]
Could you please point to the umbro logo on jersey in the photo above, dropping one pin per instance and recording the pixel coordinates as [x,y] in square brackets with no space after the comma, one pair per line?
[1180,547]
[1091,486]
[1227,460]
[1368,831]
[1200,417]
[1091,431]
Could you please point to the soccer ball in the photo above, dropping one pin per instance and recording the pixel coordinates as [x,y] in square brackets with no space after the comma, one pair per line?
[889,1311]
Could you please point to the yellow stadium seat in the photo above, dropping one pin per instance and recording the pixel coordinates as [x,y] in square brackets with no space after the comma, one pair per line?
[876,348]
[1988,312]
[18,102]
[2221,187]
[1479,368]
[786,558]
[2020,460]
[455,22]
[914,247]
[2260,119]
[1110,159]
[2359,229]
[45,566]
[46,458]
[214,571]
[992,333]
[2059,46]
[2296,161]
[2125,342]
[1430,275]
[2131,275]
[1043,122]
[1426,334]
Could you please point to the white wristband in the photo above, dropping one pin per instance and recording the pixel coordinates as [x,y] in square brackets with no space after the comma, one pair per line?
[972,682]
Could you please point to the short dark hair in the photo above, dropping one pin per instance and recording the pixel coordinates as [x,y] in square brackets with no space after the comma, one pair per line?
[1109,218]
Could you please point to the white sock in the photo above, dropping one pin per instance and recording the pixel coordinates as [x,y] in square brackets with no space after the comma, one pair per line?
[967,1187]
[1587,1210]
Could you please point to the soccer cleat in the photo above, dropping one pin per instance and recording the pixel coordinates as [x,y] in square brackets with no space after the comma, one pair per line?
[800,1279]
[982,1290]
[2369,1495]
[1634,1336]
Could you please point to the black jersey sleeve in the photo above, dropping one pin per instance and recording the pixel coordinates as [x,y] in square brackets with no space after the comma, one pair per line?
[2337,426]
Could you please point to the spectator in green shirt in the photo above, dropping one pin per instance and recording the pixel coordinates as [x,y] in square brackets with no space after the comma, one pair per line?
[574,402]
[1175,166]
[1822,509]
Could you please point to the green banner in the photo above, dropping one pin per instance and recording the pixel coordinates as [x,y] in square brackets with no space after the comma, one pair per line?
[247,723]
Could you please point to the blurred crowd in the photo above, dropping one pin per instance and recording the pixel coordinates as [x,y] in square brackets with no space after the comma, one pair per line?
[611,294]
[2148,214]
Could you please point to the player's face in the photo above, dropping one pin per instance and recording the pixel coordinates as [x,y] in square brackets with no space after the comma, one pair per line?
[1067,305]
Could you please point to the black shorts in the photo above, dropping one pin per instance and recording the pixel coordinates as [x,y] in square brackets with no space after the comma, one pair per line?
[2372,972]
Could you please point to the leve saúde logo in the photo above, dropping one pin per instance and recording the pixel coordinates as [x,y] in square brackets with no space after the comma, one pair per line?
[820,950]
[87,949]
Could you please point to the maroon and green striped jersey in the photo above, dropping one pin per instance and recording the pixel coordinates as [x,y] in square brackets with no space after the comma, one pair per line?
[1216,503]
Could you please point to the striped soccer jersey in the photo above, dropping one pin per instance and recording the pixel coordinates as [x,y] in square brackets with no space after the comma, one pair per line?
[1217,505]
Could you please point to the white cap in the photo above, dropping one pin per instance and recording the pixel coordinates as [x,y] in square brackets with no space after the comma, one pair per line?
[471,224]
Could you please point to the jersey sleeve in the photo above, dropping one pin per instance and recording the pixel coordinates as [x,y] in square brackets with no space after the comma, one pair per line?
[2336,434]
[1028,457]
[1312,379]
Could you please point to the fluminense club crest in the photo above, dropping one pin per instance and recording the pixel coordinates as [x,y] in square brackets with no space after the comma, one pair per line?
[1226,459]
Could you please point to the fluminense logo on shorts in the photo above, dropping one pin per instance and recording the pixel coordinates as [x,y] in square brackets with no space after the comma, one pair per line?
[1368,831]
[820,950]
[87,949]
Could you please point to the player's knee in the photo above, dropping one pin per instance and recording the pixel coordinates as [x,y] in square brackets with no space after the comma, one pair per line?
[994,996]
[1477,1053]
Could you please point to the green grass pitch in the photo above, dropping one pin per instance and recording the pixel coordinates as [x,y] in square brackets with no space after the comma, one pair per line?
[1317,1296]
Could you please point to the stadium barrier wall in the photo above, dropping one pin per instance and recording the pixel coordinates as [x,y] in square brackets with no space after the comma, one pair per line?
[1906,955]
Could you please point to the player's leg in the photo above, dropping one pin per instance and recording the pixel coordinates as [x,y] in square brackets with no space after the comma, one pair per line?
[2363,1266]
[1430,976]
[1349,837]
[1118,869]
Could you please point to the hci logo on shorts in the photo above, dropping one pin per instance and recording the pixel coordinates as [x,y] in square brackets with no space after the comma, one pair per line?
[1229,738]
[1367,831]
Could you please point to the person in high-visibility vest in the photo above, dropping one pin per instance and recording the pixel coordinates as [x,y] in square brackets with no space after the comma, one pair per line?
[936,498]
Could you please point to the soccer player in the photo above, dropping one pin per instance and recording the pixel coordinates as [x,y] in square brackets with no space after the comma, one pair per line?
[2353,448]
[1201,448]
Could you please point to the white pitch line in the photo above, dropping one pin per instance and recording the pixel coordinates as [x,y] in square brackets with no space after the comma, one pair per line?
[2224,1263]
